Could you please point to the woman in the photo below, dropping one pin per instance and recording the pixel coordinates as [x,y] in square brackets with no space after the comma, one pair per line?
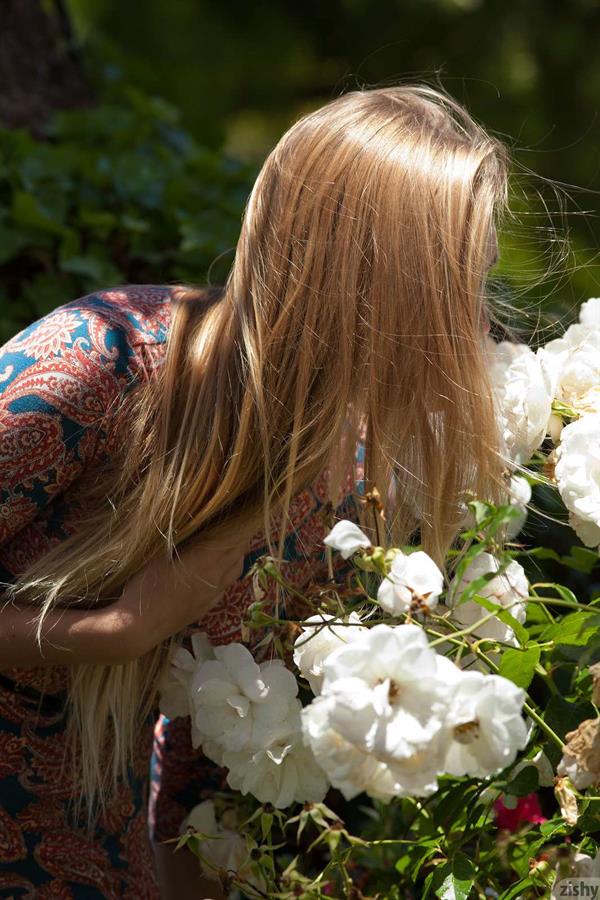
[156,439]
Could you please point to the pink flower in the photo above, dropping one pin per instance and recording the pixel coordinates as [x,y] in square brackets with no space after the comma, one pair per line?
[528,809]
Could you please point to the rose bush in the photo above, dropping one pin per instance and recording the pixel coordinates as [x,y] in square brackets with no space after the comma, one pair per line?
[432,733]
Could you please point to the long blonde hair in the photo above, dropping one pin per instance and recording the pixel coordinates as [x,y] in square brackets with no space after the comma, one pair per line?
[356,299]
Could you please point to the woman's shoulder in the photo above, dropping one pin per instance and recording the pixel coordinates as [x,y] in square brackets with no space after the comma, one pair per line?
[142,311]
[122,330]
[130,315]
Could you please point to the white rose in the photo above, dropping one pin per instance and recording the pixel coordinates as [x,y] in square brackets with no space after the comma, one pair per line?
[350,769]
[318,640]
[414,583]
[486,728]
[577,474]
[572,364]
[589,313]
[509,589]
[347,537]
[175,698]
[378,723]
[523,397]
[587,532]
[282,774]
[223,848]
[520,496]
[240,705]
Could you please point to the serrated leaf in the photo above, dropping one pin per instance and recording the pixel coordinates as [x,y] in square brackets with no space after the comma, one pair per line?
[573,628]
[519,665]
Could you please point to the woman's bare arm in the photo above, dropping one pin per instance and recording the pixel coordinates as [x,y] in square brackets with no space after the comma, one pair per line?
[157,602]
[68,636]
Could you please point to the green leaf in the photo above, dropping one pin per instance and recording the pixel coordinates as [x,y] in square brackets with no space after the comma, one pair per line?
[12,241]
[458,883]
[266,823]
[581,559]
[505,617]
[524,783]
[519,665]
[94,266]
[516,889]
[573,628]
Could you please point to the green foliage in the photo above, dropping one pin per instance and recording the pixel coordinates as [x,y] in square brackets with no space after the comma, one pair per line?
[116,194]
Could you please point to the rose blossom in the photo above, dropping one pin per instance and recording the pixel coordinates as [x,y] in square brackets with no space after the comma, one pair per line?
[414,583]
[485,723]
[523,397]
[318,640]
[347,537]
[239,704]
[577,473]
[508,589]
[378,724]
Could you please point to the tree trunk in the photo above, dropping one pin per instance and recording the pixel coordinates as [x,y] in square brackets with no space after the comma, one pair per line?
[40,67]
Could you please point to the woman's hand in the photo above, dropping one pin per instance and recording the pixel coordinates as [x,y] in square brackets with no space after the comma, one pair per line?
[164,596]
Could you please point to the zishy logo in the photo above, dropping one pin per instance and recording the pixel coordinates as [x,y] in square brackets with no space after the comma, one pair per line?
[577,887]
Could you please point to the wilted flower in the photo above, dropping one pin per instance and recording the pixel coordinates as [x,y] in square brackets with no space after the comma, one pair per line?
[378,725]
[318,640]
[581,755]
[282,774]
[509,589]
[347,537]
[239,704]
[567,800]
[414,583]
[595,673]
[577,473]
[523,395]
[485,722]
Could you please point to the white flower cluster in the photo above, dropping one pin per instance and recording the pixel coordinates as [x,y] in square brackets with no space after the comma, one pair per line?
[390,714]
[572,367]
[533,392]
[246,717]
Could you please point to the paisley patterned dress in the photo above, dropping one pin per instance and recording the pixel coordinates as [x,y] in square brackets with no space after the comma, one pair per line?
[59,379]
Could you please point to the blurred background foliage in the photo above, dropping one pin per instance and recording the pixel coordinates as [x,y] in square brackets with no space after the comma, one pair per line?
[137,167]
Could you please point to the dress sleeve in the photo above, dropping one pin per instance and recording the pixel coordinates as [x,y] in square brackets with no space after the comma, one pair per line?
[58,380]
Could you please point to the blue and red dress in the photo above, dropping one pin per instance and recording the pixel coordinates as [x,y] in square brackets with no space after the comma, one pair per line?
[59,380]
